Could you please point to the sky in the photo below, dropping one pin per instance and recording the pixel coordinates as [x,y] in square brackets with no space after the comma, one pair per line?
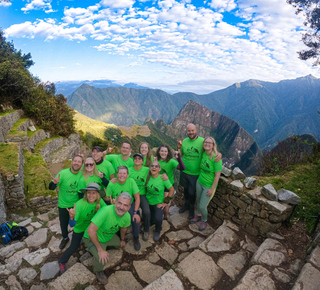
[194,46]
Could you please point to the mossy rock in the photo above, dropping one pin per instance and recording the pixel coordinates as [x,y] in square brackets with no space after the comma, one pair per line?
[9,158]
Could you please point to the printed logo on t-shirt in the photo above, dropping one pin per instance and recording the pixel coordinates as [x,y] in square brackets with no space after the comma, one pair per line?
[193,152]
[72,188]
[112,230]
[153,190]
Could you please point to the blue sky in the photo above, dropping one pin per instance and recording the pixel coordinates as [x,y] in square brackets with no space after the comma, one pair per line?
[197,46]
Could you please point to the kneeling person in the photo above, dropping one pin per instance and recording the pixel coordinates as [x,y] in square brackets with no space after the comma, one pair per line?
[102,232]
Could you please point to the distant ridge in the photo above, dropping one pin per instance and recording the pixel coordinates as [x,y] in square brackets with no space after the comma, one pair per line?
[270,112]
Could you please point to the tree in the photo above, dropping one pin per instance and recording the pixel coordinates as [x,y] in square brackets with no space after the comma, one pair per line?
[311,38]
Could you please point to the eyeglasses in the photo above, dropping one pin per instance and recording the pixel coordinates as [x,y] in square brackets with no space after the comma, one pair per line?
[89,164]
[206,142]
[156,166]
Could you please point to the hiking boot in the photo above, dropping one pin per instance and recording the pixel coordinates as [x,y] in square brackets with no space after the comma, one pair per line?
[196,219]
[191,212]
[145,236]
[156,236]
[184,208]
[62,268]
[136,244]
[102,278]
[202,226]
[63,243]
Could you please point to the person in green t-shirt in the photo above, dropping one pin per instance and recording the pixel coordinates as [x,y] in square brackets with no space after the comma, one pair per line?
[210,172]
[67,180]
[102,232]
[139,173]
[155,187]
[122,159]
[82,212]
[102,164]
[126,184]
[191,156]
[168,165]
[91,174]
[145,150]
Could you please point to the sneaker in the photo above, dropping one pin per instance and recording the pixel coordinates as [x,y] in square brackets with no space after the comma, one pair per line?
[156,236]
[102,278]
[196,219]
[145,236]
[202,226]
[62,268]
[63,243]
[136,244]
[184,208]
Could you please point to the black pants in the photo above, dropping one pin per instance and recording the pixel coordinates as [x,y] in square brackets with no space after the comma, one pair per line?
[146,215]
[156,217]
[64,221]
[189,182]
[135,226]
[75,244]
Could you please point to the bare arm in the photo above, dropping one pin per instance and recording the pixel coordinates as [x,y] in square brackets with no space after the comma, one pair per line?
[103,255]
[122,235]
[214,184]
[136,217]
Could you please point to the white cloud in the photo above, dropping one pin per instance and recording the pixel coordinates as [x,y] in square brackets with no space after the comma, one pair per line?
[117,3]
[5,3]
[38,5]
[223,5]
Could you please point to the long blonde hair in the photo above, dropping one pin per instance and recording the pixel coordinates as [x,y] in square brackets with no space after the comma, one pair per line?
[149,173]
[214,149]
[98,199]
[85,172]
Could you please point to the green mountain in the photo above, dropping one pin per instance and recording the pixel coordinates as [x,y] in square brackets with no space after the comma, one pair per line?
[268,111]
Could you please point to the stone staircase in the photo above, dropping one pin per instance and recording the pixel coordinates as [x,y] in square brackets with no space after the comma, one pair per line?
[18,133]
[221,257]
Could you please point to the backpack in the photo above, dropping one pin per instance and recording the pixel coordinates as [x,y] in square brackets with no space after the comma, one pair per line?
[19,232]
[5,232]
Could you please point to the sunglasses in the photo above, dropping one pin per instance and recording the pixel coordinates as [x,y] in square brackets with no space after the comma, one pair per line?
[89,164]
[157,166]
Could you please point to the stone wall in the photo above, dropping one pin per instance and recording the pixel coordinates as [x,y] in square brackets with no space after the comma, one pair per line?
[3,211]
[7,121]
[43,203]
[36,138]
[60,149]
[255,209]
[14,186]
[21,138]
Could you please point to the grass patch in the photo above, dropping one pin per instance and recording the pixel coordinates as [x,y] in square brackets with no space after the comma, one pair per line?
[9,158]
[14,129]
[36,176]
[44,142]
[304,181]
[6,113]
[31,133]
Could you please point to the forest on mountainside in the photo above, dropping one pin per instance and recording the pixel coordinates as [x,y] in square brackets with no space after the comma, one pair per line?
[20,90]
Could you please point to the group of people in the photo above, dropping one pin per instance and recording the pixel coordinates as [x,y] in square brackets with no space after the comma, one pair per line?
[103,194]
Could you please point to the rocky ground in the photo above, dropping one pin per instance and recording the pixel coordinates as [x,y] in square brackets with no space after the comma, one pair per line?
[223,257]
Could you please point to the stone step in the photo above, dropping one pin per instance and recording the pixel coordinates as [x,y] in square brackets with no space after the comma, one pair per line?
[7,120]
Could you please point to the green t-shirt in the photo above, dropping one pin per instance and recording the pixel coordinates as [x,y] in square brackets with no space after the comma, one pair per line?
[130,186]
[207,170]
[145,160]
[191,155]
[68,188]
[155,190]
[84,213]
[83,183]
[168,168]
[108,229]
[117,161]
[106,167]
[140,177]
